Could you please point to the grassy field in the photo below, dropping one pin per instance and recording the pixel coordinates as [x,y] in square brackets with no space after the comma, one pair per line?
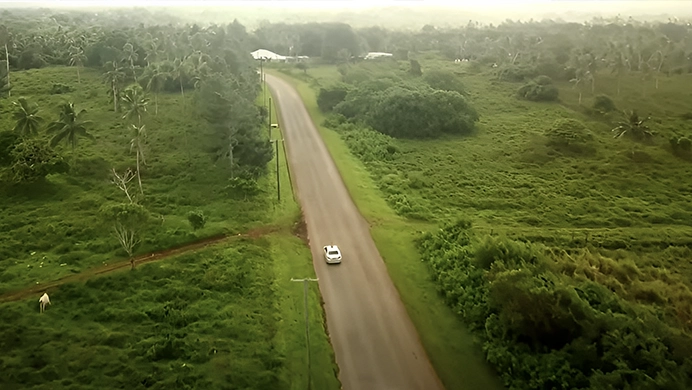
[445,339]
[51,229]
[625,200]
[227,316]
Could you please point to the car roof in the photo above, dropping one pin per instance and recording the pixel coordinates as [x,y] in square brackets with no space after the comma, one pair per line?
[331,247]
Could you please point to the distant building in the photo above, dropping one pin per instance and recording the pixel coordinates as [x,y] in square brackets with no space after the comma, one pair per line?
[376,54]
[266,55]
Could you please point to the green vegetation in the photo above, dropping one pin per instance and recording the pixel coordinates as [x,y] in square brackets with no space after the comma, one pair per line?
[128,101]
[577,262]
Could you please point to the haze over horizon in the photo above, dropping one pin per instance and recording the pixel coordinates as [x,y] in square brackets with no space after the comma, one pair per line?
[385,12]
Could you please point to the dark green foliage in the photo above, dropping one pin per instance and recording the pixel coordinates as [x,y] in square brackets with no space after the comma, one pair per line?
[604,104]
[549,322]
[329,97]
[682,146]
[633,126]
[33,160]
[569,135]
[422,113]
[516,72]
[540,89]
[8,140]
[415,68]
[687,116]
[370,145]
[59,88]
[444,80]
[197,219]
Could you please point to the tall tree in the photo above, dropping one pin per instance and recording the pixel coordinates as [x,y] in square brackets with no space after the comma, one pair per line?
[27,119]
[69,127]
[114,76]
[77,59]
[135,103]
[180,72]
[137,145]
[4,40]
[130,56]
[156,79]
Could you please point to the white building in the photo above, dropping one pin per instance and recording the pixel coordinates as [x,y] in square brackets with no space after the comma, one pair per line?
[376,54]
[266,55]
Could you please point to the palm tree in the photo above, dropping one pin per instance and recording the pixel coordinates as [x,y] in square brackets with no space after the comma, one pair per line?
[135,103]
[4,40]
[180,71]
[70,126]
[137,145]
[632,125]
[114,76]
[157,79]
[130,56]
[77,59]
[27,119]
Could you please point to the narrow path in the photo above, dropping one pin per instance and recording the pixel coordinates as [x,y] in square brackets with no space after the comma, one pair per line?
[375,343]
[142,259]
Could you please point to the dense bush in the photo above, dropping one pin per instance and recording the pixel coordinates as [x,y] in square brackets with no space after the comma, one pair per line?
[60,88]
[422,113]
[553,321]
[516,72]
[370,145]
[540,89]
[604,104]
[444,80]
[197,219]
[329,97]
[569,135]
[33,160]
[681,145]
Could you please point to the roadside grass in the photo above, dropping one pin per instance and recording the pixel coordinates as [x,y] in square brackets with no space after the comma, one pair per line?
[448,344]
[52,228]
[226,314]
[292,259]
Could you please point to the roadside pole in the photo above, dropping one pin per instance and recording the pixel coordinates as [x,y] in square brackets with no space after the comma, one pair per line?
[307,326]
[278,172]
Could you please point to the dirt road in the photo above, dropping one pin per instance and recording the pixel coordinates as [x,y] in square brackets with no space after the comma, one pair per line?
[375,342]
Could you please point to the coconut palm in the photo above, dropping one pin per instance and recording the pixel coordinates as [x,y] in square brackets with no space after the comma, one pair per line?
[632,125]
[137,145]
[69,127]
[135,102]
[114,76]
[28,121]
[77,59]
[157,78]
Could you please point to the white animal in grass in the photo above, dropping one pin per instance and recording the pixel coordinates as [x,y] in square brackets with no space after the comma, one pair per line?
[43,302]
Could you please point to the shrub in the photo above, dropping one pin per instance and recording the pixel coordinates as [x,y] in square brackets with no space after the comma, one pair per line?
[329,97]
[569,135]
[681,145]
[516,72]
[539,89]
[33,160]
[604,104]
[422,113]
[60,88]
[370,145]
[197,219]
[444,80]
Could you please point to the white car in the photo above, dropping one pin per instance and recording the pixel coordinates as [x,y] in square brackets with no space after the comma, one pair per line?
[332,254]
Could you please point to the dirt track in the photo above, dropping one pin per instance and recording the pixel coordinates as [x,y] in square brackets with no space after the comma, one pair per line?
[119,265]
[376,345]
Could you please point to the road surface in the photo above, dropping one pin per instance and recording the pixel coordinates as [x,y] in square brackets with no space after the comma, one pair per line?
[375,343]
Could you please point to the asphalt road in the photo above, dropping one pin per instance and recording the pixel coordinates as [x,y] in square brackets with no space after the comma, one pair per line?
[375,343]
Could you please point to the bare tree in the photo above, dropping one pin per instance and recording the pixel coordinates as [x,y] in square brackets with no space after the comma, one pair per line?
[123,182]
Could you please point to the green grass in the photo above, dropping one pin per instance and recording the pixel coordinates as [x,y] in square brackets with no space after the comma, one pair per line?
[233,315]
[51,229]
[445,339]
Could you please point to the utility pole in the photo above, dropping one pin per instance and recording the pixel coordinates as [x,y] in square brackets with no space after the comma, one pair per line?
[307,326]
[278,186]
[270,118]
